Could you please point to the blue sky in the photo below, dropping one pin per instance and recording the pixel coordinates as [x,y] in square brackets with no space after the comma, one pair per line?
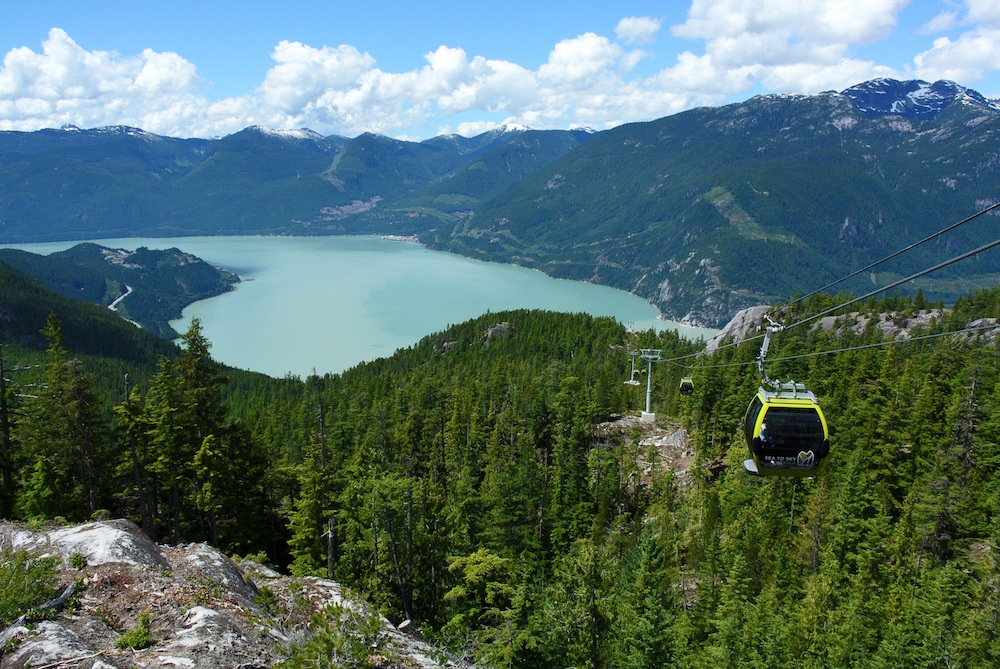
[414,70]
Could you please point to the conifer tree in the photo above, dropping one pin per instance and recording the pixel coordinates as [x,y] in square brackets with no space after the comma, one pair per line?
[63,439]
[140,494]
[7,412]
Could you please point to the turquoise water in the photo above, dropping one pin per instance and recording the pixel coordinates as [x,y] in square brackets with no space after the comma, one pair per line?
[325,304]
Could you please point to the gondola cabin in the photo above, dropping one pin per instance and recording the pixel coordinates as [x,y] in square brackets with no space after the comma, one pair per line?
[687,385]
[786,432]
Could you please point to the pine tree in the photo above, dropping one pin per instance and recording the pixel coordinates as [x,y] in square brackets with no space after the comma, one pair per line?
[7,413]
[64,440]
[140,493]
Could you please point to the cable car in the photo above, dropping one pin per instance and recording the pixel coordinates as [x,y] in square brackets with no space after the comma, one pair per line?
[786,432]
[687,385]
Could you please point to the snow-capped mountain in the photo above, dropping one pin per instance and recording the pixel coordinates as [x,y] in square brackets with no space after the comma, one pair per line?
[912,99]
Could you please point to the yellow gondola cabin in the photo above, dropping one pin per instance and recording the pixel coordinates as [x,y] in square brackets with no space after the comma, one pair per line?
[786,432]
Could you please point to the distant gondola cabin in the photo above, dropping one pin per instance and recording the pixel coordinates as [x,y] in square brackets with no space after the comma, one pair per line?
[786,432]
[687,385]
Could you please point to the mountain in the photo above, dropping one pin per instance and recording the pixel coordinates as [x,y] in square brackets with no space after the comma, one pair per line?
[497,166]
[716,209]
[121,182]
[912,99]
[702,213]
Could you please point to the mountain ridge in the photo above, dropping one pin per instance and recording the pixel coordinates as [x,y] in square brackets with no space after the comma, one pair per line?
[716,209]
[678,210]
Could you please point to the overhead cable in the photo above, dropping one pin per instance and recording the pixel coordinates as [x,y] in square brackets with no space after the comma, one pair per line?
[984,247]
[897,253]
[857,347]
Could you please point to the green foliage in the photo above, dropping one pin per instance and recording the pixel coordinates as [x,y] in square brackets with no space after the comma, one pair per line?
[339,636]
[26,581]
[137,637]
[463,484]
[62,440]
[267,600]
[159,283]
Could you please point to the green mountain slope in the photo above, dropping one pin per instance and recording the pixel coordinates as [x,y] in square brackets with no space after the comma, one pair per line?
[702,213]
[155,285]
[499,166]
[121,182]
[712,210]
[88,329]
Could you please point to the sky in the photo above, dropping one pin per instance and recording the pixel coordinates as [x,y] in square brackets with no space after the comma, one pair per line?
[415,70]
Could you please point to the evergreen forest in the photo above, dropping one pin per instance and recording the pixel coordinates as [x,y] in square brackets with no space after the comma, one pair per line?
[483,484]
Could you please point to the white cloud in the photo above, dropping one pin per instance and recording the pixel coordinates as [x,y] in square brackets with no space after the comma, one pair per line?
[807,78]
[944,21]
[579,61]
[304,73]
[965,60]
[842,21]
[782,45]
[968,57]
[637,29]
[733,47]
[473,128]
[67,84]
[984,12]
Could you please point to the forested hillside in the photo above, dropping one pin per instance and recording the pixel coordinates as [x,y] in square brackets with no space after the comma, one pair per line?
[482,484]
[716,209]
[72,184]
[150,287]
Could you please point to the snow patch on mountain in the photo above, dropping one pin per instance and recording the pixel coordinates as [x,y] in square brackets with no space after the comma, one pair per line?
[913,99]
[290,133]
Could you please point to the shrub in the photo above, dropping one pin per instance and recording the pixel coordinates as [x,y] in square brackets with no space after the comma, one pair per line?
[138,637]
[25,582]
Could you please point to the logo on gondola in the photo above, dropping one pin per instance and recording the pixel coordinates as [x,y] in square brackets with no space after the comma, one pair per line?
[806,459]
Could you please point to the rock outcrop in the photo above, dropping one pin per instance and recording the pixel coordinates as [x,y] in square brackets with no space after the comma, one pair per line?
[204,609]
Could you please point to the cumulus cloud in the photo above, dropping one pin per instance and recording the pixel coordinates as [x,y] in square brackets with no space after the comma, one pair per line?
[580,60]
[985,12]
[67,84]
[799,45]
[637,29]
[965,59]
[968,57]
[304,73]
[730,48]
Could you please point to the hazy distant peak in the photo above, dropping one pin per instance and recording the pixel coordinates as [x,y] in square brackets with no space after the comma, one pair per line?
[289,133]
[122,130]
[509,127]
